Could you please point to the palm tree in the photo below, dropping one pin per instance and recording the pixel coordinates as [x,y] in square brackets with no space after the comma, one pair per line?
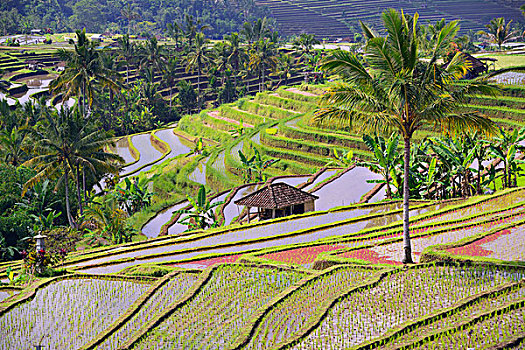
[499,33]
[304,44]
[129,14]
[255,31]
[84,71]
[238,55]
[152,55]
[394,89]
[54,154]
[262,59]
[127,51]
[12,145]
[192,28]
[197,59]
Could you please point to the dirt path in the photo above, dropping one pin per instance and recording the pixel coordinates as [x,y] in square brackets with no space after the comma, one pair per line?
[300,92]
[217,115]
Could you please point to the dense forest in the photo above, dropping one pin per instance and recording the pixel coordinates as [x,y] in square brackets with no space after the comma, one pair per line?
[142,17]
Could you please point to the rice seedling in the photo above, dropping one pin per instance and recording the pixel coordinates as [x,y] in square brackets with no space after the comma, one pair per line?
[491,204]
[392,253]
[504,245]
[455,317]
[489,332]
[215,316]
[166,295]
[67,314]
[399,298]
[290,315]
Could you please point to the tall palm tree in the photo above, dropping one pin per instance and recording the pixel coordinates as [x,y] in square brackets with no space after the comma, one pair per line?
[238,55]
[130,14]
[126,51]
[262,59]
[197,60]
[153,55]
[53,154]
[84,71]
[304,44]
[12,145]
[499,33]
[394,89]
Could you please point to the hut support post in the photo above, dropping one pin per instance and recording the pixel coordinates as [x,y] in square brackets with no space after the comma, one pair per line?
[248,214]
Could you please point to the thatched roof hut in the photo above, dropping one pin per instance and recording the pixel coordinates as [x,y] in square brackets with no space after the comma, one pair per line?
[477,67]
[278,200]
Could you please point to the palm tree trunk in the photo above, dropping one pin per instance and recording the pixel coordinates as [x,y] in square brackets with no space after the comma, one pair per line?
[68,208]
[79,197]
[199,86]
[406,200]
[84,185]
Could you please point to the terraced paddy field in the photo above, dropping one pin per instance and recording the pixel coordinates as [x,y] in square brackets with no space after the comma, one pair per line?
[308,292]
[333,19]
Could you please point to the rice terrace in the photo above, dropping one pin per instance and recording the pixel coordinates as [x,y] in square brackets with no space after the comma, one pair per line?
[262,174]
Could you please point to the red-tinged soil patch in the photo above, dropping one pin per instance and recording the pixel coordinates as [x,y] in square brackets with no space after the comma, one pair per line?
[301,256]
[369,255]
[300,92]
[475,248]
[210,262]
[217,115]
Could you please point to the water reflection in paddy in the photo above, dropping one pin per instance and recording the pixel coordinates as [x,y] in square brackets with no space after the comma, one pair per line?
[122,149]
[148,153]
[257,231]
[199,174]
[292,180]
[175,142]
[354,227]
[347,189]
[153,227]
[322,177]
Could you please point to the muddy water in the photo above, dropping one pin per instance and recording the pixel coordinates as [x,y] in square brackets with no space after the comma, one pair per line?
[255,232]
[152,228]
[148,153]
[354,227]
[345,190]
[176,143]
[122,149]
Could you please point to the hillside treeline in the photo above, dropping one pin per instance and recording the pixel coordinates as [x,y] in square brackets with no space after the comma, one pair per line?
[144,17]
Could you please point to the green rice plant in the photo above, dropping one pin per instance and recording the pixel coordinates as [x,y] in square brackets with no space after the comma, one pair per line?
[67,314]
[296,96]
[449,321]
[264,111]
[214,317]
[229,111]
[400,298]
[285,103]
[169,293]
[290,315]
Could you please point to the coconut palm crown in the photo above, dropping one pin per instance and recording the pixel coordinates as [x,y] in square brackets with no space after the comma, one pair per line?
[393,88]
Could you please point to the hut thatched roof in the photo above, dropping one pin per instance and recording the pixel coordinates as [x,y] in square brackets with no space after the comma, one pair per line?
[275,196]
[476,66]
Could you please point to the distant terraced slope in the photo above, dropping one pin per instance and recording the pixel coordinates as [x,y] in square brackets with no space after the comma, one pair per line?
[332,19]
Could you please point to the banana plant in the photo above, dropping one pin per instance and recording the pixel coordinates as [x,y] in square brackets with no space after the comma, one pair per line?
[346,157]
[238,130]
[506,150]
[386,159]
[253,168]
[202,214]
[134,195]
